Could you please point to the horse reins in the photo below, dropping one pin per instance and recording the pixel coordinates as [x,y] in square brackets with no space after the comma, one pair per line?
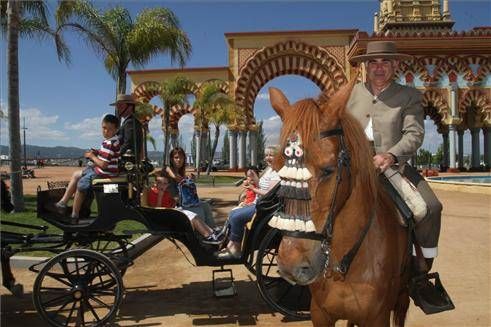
[326,235]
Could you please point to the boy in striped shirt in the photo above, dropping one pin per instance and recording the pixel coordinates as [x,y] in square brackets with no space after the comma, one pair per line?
[105,164]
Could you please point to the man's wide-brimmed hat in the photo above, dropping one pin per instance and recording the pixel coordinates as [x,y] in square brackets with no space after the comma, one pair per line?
[124,98]
[381,49]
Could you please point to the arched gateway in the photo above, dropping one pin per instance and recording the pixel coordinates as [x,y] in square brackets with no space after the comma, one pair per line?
[452,70]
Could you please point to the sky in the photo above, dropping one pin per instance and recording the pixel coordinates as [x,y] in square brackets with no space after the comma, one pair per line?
[63,104]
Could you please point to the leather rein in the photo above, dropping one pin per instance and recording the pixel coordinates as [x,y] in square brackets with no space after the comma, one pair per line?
[326,235]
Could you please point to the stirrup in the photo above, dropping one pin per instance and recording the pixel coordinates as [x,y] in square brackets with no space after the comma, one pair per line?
[417,283]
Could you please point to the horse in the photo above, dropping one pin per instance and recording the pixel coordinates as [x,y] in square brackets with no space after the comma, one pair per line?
[340,230]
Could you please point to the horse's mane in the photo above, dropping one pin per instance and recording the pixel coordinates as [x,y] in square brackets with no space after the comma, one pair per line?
[305,120]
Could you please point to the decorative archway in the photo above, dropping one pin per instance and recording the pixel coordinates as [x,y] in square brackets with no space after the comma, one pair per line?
[437,108]
[477,98]
[284,58]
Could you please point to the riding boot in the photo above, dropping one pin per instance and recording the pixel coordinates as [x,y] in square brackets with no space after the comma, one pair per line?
[430,297]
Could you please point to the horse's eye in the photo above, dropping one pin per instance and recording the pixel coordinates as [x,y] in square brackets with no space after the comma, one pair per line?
[326,171]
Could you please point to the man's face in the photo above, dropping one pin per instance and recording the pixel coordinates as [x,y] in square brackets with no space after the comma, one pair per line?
[124,109]
[381,72]
[108,130]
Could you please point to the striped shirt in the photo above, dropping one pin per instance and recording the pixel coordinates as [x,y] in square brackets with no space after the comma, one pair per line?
[109,152]
[268,178]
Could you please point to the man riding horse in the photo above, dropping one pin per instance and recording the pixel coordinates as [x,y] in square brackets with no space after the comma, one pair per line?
[393,119]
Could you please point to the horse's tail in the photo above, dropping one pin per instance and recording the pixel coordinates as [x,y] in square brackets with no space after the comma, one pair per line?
[401,307]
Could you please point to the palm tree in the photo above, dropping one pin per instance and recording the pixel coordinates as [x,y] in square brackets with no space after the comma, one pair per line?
[217,108]
[173,92]
[120,41]
[22,19]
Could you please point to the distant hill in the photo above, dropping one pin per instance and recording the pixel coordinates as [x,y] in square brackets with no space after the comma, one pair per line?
[43,152]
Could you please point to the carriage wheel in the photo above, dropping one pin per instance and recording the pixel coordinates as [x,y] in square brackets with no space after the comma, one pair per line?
[114,249]
[290,300]
[78,288]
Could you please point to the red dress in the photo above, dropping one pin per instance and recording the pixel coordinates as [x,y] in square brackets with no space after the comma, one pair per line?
[250,196]
[167,200]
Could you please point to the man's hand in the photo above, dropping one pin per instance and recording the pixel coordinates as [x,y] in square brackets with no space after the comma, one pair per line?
[383,161]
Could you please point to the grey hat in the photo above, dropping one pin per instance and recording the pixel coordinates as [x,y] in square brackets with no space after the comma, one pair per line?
[381,49]
[124,98]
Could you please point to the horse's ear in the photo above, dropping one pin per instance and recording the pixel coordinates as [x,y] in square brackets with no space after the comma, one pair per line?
[338,101]
[278,101]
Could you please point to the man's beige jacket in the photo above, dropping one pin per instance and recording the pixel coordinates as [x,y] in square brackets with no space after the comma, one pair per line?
[397,118]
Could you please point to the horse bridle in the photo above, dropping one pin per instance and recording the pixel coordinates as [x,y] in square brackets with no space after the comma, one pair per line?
[326,234]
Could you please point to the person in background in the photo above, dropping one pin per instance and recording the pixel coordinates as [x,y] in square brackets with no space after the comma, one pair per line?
[160,196]
[239,217]
[105,164]
[250,196]
[177,172]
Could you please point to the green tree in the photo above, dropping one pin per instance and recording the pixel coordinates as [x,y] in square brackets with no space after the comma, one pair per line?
[423,157]
[217,108]
[173,92]
[120,40]
[260,144]
[438,157]
[22,19]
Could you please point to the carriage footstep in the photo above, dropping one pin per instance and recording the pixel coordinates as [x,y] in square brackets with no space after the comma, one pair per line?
[223,283]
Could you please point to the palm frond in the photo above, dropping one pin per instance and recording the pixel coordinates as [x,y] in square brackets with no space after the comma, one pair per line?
[157,31]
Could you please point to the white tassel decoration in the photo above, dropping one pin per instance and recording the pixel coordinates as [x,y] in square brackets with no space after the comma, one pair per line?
[290,225]
[299,176]
[273,222]
[306,174]
[282,172]
[309,226]
[291,173]
[299,225]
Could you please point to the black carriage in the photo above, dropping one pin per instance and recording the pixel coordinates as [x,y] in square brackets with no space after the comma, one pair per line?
[82,283]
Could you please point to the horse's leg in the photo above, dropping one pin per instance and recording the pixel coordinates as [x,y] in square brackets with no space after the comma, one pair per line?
[319,317]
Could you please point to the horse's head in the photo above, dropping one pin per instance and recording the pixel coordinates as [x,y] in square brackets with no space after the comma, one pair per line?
[315,169]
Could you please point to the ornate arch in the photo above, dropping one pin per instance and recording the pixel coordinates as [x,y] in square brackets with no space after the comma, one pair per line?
[290,57]
[433,76]
[477,98]
[224,87]
[437,108]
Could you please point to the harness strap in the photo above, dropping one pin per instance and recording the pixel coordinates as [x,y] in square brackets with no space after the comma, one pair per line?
[345,262]
[331,132]
[310,236]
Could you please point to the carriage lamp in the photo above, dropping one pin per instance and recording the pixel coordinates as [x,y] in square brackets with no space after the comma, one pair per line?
[129,166]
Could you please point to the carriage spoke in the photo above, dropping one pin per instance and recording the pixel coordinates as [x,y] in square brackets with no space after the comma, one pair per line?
[100,302]
[92,310]
[58,298]
[62,307]
[71,313]
[80,321]
[59,279]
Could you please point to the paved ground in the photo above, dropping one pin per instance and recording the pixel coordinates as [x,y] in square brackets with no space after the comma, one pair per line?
[163,289]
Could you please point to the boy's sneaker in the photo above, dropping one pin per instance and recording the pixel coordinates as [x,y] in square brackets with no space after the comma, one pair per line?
[214,238]
[61,208]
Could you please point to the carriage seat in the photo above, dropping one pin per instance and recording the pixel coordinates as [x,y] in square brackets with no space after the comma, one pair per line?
[121,178]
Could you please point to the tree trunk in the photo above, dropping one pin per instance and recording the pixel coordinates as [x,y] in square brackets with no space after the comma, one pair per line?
[13,105]
[213,149]
[166,134]
[122,81]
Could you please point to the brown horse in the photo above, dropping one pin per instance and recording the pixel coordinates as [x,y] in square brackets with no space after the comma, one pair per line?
[355,256]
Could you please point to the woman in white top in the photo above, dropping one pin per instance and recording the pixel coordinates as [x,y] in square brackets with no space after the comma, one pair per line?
[240,216]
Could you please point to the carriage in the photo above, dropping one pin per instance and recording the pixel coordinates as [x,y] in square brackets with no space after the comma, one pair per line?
[82,283]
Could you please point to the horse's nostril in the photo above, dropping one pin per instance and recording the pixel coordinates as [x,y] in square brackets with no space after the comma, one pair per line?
[305,271]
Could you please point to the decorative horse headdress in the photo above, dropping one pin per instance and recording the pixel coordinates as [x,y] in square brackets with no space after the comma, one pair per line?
[294,214]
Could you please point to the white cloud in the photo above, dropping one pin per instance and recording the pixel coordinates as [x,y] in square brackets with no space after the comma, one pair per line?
[40,127]
[272,128]
[263,96]
[87,129]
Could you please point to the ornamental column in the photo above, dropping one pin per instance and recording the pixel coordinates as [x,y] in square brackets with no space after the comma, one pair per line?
[475,159]
[242,149]
[445,150]
[253,146]
[487,147]
[232,141]
[452,128]
[460,134]
[197,135]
